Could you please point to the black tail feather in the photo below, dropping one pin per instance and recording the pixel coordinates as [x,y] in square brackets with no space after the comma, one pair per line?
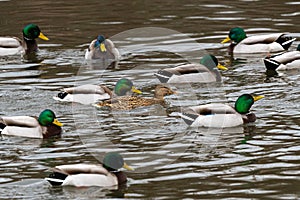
[285,41]
[189,118]
[56,178]
[271,64]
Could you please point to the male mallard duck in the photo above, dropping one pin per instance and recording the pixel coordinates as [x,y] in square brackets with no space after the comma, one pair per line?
[14,45]
[284,61]
[204,72]
[132,102]
[257,44]
[222,115]
[44,126]
[85,175]
[102,48]
[88,94]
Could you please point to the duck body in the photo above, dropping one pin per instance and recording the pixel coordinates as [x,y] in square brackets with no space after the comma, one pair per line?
[86,175]
[11,46]
[102,49]
[284,61]
[203,72]
[83,175]
[132,102]
[15,46]
[88,94]
[275,42]
[221,115]
[44,126]
[85,94]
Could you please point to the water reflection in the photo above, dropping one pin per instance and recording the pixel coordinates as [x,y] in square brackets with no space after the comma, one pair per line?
[259,159]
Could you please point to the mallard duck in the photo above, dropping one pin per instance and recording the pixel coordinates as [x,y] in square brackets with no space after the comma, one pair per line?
[132,102]
[102,48]
[222,115]
[44,126]
[86,175]
[88,94]
[204,72]
[284,61]
[257,44]
[14,45]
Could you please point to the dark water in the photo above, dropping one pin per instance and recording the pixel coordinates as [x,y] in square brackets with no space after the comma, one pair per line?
[171,160]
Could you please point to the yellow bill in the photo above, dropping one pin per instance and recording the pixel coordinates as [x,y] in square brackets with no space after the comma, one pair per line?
[133,89]
[256,98]
[43,37]
[221,67]
[125,166]
[57,123]
[102,47]
[226,40]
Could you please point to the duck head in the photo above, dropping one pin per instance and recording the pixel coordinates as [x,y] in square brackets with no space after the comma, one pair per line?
[32,31]
[114,161]
[123,86]
[100,43]
[245,101]
[236,34]
[210,61]
[47,118]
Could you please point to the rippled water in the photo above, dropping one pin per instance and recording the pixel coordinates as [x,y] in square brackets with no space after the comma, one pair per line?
[171,160]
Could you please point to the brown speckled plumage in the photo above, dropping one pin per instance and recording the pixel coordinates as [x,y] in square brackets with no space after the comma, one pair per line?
[132,102]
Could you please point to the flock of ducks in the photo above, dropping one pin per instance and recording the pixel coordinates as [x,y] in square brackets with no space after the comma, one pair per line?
[125,96]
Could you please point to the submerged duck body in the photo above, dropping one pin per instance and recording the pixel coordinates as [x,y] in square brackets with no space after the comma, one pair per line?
[88,94]
[132,102]
[257,44]
[284,61]
[204,72]
[44,126]
[221,115]
[102,49]
[15,46]
[86,175]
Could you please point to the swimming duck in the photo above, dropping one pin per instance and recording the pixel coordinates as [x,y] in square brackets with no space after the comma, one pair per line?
[132,102]
[222,115]
[44,126]
[102,48]
[86,175]
[88,94]
[204,72]
[14,45]
[284,61]
[257,44]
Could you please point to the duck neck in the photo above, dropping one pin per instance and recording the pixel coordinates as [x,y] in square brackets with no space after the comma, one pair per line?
[121,176]
[31,46]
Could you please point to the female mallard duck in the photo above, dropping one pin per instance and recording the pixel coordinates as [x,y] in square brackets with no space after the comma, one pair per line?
[284,61]
[44,126]
[257,44]
[132,102]
[13,45]
[102,48]
[222,115]
[204,72]
[88,94]
[86,175]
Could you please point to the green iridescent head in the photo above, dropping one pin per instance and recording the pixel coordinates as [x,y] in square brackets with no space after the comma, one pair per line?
[298,48]
[114,161]
[244,103]
[210,61]
[47,118]
[236,34]
[32,31]
[123,86]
